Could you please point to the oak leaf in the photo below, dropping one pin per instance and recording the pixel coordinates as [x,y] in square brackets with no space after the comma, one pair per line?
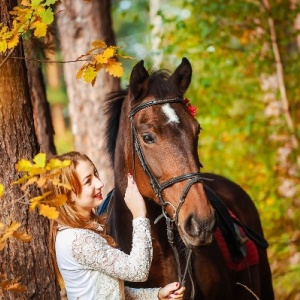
[47,16]
[59,200]
[48,211]
[50,2]
[40,160]
[55,163]
[89,74]
[99,44]
[35,200]
[114,68]
[13,41]
[8,232]
[40,29]
[24,165]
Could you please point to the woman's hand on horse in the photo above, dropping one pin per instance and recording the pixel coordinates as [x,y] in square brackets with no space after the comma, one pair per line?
[171,291]
[134,200]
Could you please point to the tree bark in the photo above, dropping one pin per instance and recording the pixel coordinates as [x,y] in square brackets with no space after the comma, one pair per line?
[90,21]
[30,261]
[41,109]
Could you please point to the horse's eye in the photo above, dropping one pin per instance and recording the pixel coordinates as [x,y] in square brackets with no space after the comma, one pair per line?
[147,138]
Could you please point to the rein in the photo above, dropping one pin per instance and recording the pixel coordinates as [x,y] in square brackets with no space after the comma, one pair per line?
[159,187]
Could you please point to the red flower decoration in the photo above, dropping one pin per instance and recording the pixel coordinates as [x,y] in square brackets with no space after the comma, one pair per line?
[192,109]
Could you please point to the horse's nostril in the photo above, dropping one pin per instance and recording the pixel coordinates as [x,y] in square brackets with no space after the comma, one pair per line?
[191,226]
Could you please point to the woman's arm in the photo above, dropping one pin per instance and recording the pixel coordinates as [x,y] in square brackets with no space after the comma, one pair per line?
[93,252]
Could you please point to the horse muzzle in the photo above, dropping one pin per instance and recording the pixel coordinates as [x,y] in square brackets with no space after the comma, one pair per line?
[196,232]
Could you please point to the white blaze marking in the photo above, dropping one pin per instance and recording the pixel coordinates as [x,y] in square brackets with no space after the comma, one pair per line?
[170,113]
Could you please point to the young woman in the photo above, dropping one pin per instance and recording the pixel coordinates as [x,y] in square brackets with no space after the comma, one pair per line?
[86,261]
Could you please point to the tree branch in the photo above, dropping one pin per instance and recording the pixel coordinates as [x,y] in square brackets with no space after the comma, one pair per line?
[280,76]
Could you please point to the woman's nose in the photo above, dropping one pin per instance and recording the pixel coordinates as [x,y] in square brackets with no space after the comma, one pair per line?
[99,184]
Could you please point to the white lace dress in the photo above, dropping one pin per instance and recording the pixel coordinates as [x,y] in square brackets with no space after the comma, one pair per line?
[93,270]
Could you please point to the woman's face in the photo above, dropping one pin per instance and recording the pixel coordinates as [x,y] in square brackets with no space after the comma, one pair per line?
[91,195]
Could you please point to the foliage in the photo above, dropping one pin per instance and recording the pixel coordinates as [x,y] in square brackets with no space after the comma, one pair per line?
[35,15]
[38,173]
[100,56]
[41,173]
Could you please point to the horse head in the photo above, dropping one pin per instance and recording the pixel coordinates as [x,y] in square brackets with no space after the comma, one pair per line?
[161,150]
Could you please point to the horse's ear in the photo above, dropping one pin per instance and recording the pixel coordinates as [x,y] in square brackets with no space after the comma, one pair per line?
[138,80]
[182,75]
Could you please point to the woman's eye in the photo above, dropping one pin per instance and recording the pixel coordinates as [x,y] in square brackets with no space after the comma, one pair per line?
[147,138]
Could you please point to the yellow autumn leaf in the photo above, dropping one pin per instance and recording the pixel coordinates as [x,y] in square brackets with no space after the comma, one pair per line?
[58,200]
[22,179]
[105,56]
[25,2]
[52,175]
[24,165]
[13,41]
[22,236]
[40,29]
[35,200]
[41,181]
[40,160]
[89,74]
[9,231]
[80,72]
[48,211]
[1,190]
[30,181]
[3,46]
[114,68]
[99,44]
[36,171]
[55,163]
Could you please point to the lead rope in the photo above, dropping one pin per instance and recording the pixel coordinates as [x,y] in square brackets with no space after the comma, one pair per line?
[188,267]
[249,290]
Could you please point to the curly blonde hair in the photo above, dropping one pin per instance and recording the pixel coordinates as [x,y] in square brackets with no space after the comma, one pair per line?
[68,214]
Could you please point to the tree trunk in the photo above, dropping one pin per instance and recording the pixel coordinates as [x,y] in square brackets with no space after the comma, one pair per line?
[41,109]
[31,262]
[90,21]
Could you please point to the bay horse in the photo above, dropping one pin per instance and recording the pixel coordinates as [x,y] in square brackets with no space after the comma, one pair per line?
[152,135]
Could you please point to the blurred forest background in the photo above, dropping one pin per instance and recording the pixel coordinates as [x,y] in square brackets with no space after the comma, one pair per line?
[245,57]
[246,66]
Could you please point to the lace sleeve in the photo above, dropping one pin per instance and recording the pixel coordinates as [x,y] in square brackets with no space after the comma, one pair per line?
[93,252]
[141,294]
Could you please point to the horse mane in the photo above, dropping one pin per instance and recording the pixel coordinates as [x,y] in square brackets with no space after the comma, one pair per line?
[159,86]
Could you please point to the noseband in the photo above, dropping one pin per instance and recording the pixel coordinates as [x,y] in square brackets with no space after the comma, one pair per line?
[159,187]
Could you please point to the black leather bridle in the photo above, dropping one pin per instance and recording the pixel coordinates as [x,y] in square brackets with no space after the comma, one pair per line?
[159,187]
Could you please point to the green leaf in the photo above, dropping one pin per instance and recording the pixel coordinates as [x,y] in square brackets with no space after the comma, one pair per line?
[40,160]
[47,16]
[35,3]
[50,2]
